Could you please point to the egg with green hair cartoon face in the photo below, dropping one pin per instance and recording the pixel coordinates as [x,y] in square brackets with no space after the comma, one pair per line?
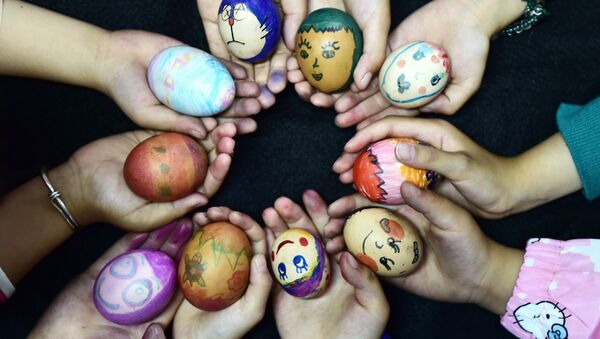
[414,74]
[329,44]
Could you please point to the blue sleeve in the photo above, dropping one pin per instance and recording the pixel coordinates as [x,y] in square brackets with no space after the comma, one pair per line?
[580,128]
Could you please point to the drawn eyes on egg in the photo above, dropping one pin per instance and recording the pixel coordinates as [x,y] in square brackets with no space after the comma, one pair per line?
[226,13]
[300,263]
[239,12]
[282,271]
[435,80]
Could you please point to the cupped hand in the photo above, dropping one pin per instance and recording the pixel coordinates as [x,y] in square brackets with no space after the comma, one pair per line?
[373,18]
[73,314]
[100,193]
[353,305]
[237,319]
[482,182]
[125,58]
[457,27]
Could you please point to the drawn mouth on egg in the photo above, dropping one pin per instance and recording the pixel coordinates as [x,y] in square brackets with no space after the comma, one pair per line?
[317,76]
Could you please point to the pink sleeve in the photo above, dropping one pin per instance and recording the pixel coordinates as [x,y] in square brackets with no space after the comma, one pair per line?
[557,294]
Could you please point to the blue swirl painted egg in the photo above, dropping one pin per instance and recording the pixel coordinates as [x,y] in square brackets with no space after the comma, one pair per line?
[191,81]
[135,286]
[414,74]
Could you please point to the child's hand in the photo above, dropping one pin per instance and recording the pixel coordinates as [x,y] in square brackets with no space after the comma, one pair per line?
[353,305]
[463,28]
[486,184]
[373,18]
[95,190]
[73,314]
[237,319]
[126,55]
[460,263]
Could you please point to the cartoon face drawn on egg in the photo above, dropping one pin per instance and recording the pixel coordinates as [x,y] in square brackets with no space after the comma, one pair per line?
[378,175]
[414,74]
[328,46]
[386,243]
[249,28]
[299,263]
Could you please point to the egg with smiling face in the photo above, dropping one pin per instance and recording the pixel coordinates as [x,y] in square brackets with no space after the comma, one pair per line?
[300,263]
[249,28]
[384,241]
[414,74]
[329,44]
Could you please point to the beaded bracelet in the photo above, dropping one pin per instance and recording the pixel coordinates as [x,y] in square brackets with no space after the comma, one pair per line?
[58,203]
[534,12]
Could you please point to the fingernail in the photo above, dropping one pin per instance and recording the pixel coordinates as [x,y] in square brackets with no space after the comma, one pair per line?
[351,261]
[405,151]
[364,82]
[183,233]
[154,331]
[202,200]
[411,189]
[277,77]
[198,134]
[311,198]
[259,263]
[264,90]
[163,232]
[138,240]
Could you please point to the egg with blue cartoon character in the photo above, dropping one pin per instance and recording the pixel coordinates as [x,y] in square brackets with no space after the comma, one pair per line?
[300,263]
[414,74]
[190,81]
[135,286]
[249,28]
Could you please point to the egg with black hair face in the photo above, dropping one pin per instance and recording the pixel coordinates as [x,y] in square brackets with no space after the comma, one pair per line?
[386,242]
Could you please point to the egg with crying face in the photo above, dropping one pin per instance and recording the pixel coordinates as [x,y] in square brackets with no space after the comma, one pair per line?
[378,175]
[329,44]
[414,74]
[214,269]
[382,240]
[300,263]
[135,286]
[249,28]
[190,81]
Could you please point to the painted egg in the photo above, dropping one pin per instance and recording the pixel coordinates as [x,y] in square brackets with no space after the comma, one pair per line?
[328,46]
[135,286]
[214,269]
[414,74]
[300,263]
[382,240]
[249,28]
[166,167]
[191,81]
[378,175]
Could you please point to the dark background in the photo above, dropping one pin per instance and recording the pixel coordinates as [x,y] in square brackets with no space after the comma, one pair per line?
[526,78]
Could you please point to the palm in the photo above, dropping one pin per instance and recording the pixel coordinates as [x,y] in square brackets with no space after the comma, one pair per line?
[100,169]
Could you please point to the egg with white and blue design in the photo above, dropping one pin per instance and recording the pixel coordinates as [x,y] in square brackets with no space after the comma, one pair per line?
[191,81]
[135,286]
[414,74]
[249,28]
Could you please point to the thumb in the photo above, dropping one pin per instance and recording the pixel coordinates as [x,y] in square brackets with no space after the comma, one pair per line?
[441,212]
[294,12]
[154,331]
[158,214]
[159,117]
[452,165]
[257,294]
[367,289]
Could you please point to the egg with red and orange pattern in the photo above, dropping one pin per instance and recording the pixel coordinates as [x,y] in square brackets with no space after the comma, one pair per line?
[389,244]
[166,167]
[378,175]
[300,263]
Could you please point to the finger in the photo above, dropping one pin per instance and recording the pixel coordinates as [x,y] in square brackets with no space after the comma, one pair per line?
[218,214]
[253,230]
[367,289]
[277,69]
[335,245]
[261,72]
[294,215]
[243,125]
[246,88]
[294,13]
[158,237]
[226,130]
[178,239]
[442,213]
[165,119]
[453,97]
[454,166]
[317,209]
[200,219]
[255,299]
[333,229]
[323,100]
[243,107]
[344,163]
[215,177]
[295,76]
[154,331]
[128,242]
[156,214]
[209,123]
[237,71]
[343,207]
[266,98]
[304,90]
[390,111]
[274,221]
[366,108]
[226,146]
[351,98]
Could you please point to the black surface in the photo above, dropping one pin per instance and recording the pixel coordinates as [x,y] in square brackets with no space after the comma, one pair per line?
[526,78]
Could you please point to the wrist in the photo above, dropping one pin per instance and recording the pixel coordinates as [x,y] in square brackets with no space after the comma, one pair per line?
[493,15]
[499,278]
[66,179]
